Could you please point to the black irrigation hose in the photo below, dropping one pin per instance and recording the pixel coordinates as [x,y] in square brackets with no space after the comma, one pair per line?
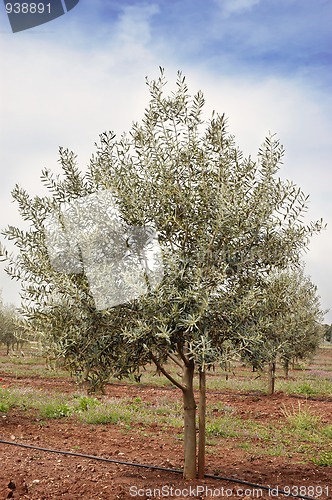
[155,467]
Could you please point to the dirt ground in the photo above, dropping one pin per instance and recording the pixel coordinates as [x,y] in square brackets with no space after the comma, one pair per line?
[38,475]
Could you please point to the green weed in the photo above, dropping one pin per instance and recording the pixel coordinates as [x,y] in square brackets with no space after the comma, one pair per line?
[324,459]
[277,450]
[4,406]
[316,386]
[11,399]
[85,403]
[104,414]
[245,446]
[307,390]
[327,431]
[223,427]
[300,419]
[54,409]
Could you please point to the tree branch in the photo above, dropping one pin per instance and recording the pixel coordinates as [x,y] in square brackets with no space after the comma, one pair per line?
[182,354]
[164,372]
[175,359]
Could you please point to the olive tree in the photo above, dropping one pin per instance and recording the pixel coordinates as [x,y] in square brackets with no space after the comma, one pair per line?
[327,332]
[304,332]
[224,222]
[9,326]
[288,320]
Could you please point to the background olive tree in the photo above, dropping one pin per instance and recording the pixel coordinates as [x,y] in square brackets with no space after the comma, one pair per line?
[224,223]
[10,329]
[289,320]
[327,332]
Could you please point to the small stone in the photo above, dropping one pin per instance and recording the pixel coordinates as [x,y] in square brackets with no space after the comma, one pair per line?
[11,485]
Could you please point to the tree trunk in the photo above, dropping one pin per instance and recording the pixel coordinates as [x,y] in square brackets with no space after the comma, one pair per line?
[271,376]
[189,410]
[201,428]
[286,368]
[189,407]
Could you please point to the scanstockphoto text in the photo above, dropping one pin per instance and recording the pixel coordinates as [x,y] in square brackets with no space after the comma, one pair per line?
[193,491]
[196,491]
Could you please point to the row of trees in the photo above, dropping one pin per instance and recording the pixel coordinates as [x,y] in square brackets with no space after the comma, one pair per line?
[231,236]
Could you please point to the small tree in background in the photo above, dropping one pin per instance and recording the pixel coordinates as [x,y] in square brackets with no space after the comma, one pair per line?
[9,326]
[289,320]
[224,222]
[327,332]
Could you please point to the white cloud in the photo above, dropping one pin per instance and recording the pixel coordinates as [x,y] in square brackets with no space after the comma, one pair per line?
[134,24]
[229,7]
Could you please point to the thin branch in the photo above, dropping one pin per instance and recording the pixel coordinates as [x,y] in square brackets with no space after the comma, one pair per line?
[182,355]
[175,359]
[164,372]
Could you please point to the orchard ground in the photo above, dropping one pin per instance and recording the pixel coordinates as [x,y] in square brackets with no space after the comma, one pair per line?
[283,441]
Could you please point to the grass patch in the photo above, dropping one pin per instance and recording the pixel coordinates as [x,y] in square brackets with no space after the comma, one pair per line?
[316,386]
[224,427]
[54,409]
[307,390]
[5,401]
[84,403]
[29,366]
[324,459]
[4,407]
[241,384]
[169,413]
[104,414]
[300,419]
[15,399]
[327,431]
[276,450]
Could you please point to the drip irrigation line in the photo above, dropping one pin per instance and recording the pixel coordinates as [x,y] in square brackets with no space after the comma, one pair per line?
[155,467]
[92,457]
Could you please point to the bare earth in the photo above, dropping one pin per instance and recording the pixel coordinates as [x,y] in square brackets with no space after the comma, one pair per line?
[36,475]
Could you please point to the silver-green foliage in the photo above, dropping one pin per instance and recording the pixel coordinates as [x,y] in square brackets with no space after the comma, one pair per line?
[224,223]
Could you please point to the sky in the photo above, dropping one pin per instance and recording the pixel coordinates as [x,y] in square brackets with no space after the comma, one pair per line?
[266,64]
